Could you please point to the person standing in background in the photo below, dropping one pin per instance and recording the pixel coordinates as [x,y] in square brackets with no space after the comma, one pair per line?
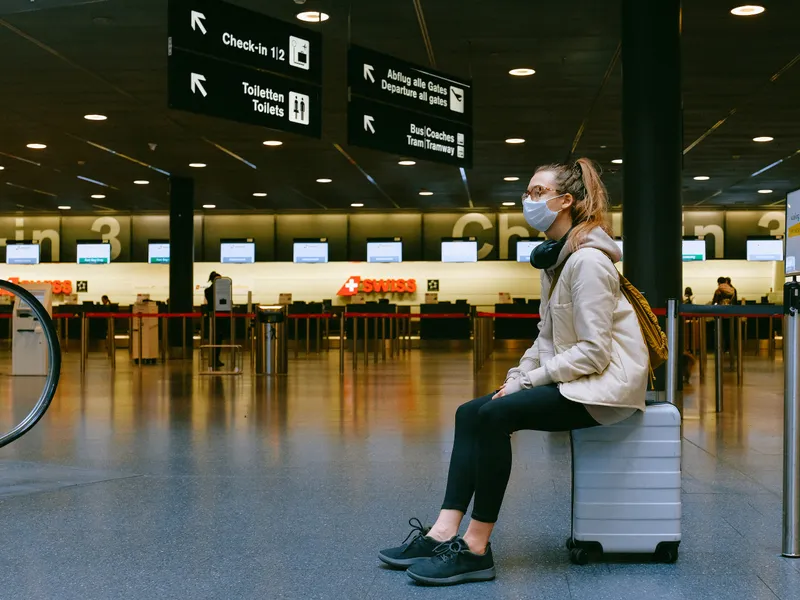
[688,296]
[735,299]
[724,293]
[219,334]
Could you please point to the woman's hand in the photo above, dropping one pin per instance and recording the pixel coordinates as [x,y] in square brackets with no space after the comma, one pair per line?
[500,393]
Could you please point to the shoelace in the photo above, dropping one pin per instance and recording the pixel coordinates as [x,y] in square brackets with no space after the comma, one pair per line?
[450,549]
[416,528]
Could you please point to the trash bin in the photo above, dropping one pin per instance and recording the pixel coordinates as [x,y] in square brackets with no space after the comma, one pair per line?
[271,346]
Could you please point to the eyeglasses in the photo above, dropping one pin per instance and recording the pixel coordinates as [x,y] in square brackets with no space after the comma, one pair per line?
[536,192]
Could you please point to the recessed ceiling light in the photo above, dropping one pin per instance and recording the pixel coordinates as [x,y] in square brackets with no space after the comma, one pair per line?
[209,206]
[324,180]
[764,191]
[747,10]
[98,196]
[141,182]
[510,178]
[407,163]
[95,117]
[197,165]
[259,194]
[603,147]
[1,167]
[617,161]
[64,208]
[702,178]
[763,138]
[313,16]
[509,203]
[515,141]
[523,72]
[425,193]
[36,146]
[356,205]
[273,143]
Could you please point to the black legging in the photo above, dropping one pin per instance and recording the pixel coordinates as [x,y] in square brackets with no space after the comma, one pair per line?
[481,460]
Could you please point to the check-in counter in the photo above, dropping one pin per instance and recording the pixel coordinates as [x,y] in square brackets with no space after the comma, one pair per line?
[517,329]
[445,329]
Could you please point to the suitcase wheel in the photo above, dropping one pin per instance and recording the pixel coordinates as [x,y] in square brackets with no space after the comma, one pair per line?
[666,552]
[570,543]
[579,556]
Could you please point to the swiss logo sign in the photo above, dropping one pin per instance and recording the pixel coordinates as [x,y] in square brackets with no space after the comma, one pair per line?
[355,284]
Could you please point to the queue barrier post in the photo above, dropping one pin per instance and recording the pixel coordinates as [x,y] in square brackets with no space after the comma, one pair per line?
[375,338]
[672,352]
[366,342]
[718,359]
[355,344]
[739,351]
[341,343]
[791,433]
[139,342]
[83,351]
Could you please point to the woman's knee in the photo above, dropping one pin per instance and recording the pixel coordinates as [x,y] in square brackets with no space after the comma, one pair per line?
[491,417]
[467,413]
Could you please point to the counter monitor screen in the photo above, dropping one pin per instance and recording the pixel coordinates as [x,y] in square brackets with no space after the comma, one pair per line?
[765,250]
[22,253]
[158,253]
[693,250]
[459,251]
[524,250]
[310,251]
[94,253]
[237,252]
[388,250]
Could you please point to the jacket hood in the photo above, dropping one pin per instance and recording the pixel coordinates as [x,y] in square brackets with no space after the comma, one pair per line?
[598,239]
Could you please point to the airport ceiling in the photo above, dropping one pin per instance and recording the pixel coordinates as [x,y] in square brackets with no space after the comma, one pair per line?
[63,59]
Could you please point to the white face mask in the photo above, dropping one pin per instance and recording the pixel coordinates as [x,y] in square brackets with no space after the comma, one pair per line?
[538,215]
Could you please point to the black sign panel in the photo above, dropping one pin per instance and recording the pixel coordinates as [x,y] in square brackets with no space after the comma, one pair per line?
[391,129]
[242,36]
[211,87]
[389,79]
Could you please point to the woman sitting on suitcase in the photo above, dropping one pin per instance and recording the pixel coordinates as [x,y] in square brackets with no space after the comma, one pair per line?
[589,366]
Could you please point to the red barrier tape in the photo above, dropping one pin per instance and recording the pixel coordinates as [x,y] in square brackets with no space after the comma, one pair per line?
[730,316]
[508,315]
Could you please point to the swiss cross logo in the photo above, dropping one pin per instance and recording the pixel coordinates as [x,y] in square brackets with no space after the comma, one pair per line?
[355,284]
[350,287]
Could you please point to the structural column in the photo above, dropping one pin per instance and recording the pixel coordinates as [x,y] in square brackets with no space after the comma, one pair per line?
[652,132]
[181,260]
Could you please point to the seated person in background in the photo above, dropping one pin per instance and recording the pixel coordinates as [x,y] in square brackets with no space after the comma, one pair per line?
[105,301]
[688,296]
[724,293]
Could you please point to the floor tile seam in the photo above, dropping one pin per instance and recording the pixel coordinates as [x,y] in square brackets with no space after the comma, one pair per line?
[67,487]
[773,592]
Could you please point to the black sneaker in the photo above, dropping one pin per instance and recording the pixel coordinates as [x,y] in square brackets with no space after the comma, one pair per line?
[454,563]
[420,547]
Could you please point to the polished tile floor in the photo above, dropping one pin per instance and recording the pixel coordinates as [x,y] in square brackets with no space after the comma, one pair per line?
[155,483]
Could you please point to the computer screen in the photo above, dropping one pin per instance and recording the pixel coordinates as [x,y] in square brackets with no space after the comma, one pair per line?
[524,249]
[94,253]
[385,251]
[22,253]
[459,251]
[237,252]
[693,250]
[158,253]
[311,251]
[765,250]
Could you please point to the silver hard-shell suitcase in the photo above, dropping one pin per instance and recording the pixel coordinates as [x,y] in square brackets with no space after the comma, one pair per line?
[626,486]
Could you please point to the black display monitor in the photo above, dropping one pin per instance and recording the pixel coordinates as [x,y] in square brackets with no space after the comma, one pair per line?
[158,252]
[459,250]
[94,252]
[238,251]
[22,252]
[310,250]
[385,250]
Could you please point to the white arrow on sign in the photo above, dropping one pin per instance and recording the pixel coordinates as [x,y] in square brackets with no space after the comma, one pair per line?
[368,123]
[368,72]
[197,84]
[197,21]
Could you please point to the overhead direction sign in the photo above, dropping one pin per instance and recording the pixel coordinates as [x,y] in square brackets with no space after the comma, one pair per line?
[407,109]
[382,77]
[391,129]
[246,37]
[206,86]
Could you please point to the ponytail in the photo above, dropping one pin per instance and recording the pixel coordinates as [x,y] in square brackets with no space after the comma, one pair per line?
[582,181]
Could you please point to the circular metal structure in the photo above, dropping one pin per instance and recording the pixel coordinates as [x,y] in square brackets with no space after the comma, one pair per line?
[54,363]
